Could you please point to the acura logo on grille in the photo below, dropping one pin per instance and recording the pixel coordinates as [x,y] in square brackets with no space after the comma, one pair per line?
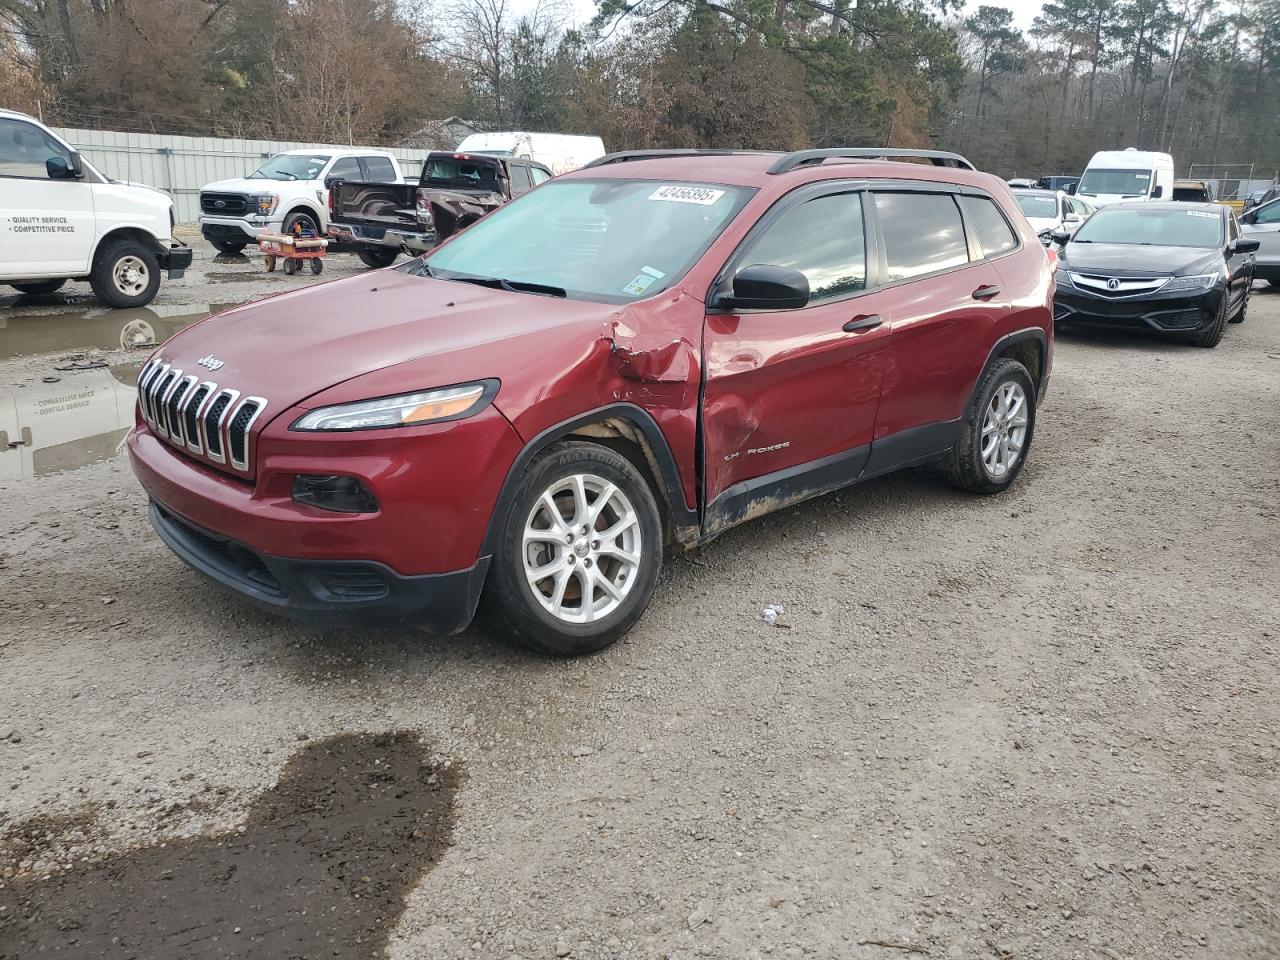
[212,362]
[1112,284]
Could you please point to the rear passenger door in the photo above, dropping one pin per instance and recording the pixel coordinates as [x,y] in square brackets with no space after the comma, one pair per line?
[378,169]
[945,299]
[520,181]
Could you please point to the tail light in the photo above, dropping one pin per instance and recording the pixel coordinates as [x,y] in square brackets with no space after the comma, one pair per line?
[331,205]
[424,212]
[1052,254]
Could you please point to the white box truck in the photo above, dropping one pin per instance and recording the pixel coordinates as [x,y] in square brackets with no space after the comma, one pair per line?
[560,152]
[60,220]
[1131,174]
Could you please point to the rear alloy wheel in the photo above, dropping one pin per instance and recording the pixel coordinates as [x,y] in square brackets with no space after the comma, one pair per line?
[377,258]
[39,288]
[580,552]
[995,435]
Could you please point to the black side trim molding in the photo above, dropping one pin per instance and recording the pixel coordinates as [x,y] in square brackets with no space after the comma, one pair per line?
[684,519]
[910,448]
[773,491]
[1018,336]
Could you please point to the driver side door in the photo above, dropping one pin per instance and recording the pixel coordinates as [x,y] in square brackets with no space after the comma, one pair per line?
[790,396]
[47,227]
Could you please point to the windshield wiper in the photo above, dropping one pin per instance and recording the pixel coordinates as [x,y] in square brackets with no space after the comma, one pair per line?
[513,286]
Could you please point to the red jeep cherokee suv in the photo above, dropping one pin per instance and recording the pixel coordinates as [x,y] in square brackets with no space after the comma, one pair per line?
[637,355]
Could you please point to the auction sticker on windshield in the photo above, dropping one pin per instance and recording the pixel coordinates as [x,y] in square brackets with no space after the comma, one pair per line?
[704,196]
[1202,213]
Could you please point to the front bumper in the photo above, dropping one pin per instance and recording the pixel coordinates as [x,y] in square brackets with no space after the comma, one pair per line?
[325,591]
[382,237]
[1174,315]
[176,260]
[233,230]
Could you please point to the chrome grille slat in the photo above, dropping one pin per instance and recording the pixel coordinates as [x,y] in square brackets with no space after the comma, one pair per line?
[158,393]
[238,433]
[214,422]
[199,416]
[173,409]
[193,415]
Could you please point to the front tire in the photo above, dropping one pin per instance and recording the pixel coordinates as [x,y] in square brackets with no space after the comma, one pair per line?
[579,552]
[40,288]
[125,274]
[305,220]
[1213,335]
[228,246]
[377,258]
[996,432]
[1244,306]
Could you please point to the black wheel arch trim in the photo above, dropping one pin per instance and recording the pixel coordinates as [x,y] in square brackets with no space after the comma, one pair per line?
[1036,334]
[685,522]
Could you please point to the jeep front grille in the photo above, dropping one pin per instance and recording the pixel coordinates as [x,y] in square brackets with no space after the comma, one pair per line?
[198,416]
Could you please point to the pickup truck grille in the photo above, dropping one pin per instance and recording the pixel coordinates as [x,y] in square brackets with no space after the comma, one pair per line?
[199,417]
[224,204]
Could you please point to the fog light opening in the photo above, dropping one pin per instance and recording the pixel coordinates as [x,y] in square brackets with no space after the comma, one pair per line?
[333,492]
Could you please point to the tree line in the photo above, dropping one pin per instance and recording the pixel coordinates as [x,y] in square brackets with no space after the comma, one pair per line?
[1191,76]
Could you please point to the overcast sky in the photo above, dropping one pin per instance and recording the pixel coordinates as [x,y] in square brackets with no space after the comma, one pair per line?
[581,11]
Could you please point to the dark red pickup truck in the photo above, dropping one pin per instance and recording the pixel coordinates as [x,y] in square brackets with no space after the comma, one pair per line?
[636,356]
[381,220]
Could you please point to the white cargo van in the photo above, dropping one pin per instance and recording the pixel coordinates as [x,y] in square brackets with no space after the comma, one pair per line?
[1131,174]
[60,220]
[558,151]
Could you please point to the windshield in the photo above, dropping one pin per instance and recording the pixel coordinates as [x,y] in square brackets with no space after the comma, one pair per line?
[291,166]
[1124,182]
[605,240]
[1173,228]
[1043,208]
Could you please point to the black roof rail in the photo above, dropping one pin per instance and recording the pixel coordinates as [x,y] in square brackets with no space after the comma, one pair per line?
[805,158]
[626,156]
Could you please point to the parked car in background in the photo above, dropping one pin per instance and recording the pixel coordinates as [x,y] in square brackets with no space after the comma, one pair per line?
[1021,183]
[1263,224]
[1116,175]
[1065,184]
[289,190]
[558,152]
[1179,269]
[60,220]
[640,354]
[1194,191]
[1052,210]
[455,190]
[1259,197]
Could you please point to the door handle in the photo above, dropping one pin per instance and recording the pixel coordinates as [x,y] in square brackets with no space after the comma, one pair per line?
[986,292]
[865,322]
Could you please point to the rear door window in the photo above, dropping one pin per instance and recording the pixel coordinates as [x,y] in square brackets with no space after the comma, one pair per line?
[823,238]
[379,170]
[539,175]
[520,182]
[995,236]
[923,233]
[348,168]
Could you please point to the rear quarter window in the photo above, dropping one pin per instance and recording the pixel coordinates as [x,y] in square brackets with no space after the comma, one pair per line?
[923,233]
[994,234]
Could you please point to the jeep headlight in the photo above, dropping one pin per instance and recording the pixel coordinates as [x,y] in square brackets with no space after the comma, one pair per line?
[1200,282]
[267,203]
[404,410]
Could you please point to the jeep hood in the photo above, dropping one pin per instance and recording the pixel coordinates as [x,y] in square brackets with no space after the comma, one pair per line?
[436,332]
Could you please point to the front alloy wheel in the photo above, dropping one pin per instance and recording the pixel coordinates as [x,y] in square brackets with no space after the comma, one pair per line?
[579,550]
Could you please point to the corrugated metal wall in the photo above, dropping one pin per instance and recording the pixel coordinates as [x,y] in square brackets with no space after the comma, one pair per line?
[182,165]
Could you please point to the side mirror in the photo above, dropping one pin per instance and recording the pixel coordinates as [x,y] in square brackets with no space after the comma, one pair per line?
[1071,188]
[1060,236]
[1157,192]
[59,168]
[762,286]
[1245,245]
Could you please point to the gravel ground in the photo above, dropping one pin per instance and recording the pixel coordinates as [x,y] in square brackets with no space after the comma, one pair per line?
[1037,726]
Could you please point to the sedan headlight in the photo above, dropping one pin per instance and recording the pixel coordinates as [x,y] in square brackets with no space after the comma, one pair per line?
[1201,282]
[405,410]
[267,204]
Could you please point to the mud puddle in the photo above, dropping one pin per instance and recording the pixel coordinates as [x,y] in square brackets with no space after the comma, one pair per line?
[322,869]
[36,330]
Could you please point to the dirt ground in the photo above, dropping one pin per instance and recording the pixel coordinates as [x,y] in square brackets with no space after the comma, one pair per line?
[1043,725]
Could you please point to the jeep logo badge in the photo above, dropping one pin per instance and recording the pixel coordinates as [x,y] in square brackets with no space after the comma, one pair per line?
[212,362]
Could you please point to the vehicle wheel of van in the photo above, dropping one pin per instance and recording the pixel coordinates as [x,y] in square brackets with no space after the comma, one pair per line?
[1244,307]
[307,221]
[377,258]
[995,434]
[125,274]
[579,552]
[228,246]
[1213,335]
[40,288]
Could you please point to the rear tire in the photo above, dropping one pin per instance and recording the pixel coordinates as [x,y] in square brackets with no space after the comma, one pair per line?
[1213,335]
[996,432]
[377,258]
[599,553]
[40,288]
[125,274]
[228,246]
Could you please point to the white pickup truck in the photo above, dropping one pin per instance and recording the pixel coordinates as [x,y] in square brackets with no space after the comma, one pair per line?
[60,220]
[289,190]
